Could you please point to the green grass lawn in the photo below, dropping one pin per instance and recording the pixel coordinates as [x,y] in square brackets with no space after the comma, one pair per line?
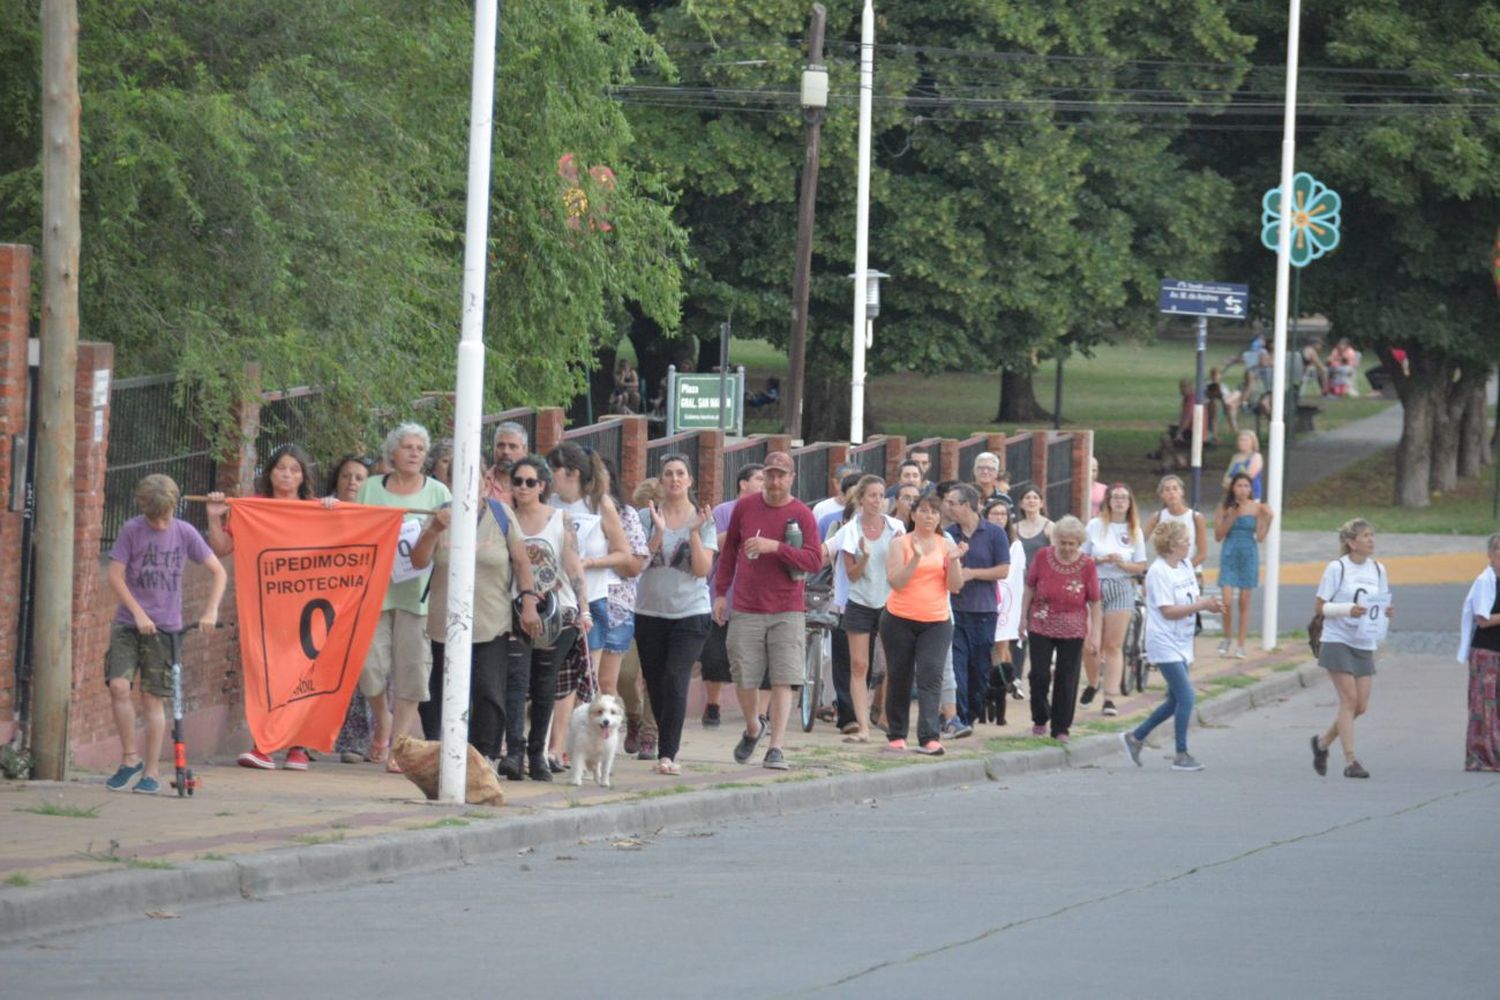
[1365,491]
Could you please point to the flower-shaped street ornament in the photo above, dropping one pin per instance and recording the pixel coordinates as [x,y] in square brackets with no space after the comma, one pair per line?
[1315,219]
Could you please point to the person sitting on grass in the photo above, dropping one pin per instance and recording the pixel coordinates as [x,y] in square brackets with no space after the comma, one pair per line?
[145,573]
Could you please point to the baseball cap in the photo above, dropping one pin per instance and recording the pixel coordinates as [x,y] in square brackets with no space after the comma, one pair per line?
[780,461]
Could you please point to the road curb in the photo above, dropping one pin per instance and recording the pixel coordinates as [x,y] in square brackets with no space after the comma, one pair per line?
[93,900]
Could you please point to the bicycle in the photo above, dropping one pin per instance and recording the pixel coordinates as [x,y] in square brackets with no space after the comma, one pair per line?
[821,621]
[1137,667]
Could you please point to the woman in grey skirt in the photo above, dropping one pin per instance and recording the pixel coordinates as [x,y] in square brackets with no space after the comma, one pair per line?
[1354,600]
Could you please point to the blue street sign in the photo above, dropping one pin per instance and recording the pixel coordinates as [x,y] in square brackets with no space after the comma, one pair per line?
[1215,299]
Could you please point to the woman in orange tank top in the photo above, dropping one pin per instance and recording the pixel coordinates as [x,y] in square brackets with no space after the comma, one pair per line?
[917,626]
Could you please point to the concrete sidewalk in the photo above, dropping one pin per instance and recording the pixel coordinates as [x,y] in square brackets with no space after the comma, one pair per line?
[75,854]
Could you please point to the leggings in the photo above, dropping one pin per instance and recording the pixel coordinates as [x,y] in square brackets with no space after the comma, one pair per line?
[668,647]
[497,695]
[545,664]
[1065,695]
[917,649]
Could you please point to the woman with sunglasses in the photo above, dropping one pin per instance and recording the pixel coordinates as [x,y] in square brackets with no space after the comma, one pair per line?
[557,572]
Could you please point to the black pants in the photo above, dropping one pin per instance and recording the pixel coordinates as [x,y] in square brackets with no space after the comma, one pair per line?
[545,664]
[668,647]
[1065,692]
[497,695]
[920,650]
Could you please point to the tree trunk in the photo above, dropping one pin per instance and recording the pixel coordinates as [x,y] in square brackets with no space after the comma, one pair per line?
[1447,414]
[825,408]
[1420,399]
[1018,399]
[1474,428]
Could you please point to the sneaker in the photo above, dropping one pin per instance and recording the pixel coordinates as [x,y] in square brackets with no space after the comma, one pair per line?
[931,748]
[1017,691]
[254,758]
[1088,695]
[956,730]
[775,761]
[633,735]
[1224,648]
[1320,756]
[296,759]
[1038,730]
[351,757]
[896,745]
[1109,708]
[1185,762]
[711,718]
[1132,747]
[648,748]
[147,786]
[1062,737]
[121,779]
[1239,654]
[1354,770]
[745,748]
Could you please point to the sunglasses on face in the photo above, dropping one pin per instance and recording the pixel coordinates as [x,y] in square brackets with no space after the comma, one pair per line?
[527,482]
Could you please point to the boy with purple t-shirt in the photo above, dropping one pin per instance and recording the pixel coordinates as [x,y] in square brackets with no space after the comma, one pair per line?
[145,572]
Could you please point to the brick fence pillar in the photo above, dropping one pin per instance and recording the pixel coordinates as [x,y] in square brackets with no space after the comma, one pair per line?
[15,328]
[549,429]
[778,442]
[711,484]
[947,460]
[632,453]
[234,471]
[1039,460]
[91,444]
[1083,481]
[838,454]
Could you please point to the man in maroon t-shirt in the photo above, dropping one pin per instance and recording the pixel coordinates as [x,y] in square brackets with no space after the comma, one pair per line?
[767,631]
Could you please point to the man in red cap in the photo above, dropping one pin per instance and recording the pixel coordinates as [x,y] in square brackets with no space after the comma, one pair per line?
[765,561]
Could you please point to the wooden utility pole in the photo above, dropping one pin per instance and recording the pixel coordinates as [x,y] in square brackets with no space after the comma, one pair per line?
[806,211]
[53,637]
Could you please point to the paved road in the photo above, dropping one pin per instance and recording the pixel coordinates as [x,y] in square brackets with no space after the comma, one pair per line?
[1253,878]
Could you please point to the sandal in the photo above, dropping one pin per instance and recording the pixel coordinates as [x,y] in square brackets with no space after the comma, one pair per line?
[856,738]
[666,765]
[391,767]
[379,751]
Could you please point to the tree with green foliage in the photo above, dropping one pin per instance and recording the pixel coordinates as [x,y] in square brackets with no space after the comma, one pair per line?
[284,184]
[1014,225]
[1400,113]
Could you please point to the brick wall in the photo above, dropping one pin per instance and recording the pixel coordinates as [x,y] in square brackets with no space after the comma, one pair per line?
[15,322]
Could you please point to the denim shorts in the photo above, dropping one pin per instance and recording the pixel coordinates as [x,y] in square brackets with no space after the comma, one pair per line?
[603,635]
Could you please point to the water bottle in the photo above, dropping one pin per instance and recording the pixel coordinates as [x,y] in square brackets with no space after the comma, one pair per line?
[794,539]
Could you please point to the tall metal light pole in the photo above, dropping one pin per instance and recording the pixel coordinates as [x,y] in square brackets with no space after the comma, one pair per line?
[814,100]
[1277,464]
[862,222]
[467,407]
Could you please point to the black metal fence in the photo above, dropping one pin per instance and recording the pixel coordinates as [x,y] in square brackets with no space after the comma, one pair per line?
[1018,464]
[152,430]
[968,450]
[608,439]
[1060,477]
[736,457]
[870,457]
[291,417]
[685,444]
[525,416]
[812,474]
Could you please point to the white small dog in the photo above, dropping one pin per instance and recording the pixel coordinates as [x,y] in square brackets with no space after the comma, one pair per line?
[594,735]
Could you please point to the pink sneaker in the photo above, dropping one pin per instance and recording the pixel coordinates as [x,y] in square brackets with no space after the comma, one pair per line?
[1038,730]
[1062,737]
[931,748]
[896,745]
[254,758]
[296,759]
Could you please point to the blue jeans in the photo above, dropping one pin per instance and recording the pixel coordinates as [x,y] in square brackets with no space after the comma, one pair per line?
[973,642]
[1178,705]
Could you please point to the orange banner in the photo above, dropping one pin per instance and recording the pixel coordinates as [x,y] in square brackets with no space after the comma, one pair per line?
[308,584]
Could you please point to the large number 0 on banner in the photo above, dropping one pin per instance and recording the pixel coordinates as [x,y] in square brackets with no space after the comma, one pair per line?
[309,584]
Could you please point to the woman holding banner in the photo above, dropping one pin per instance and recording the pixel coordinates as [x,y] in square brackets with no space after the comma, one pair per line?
[287,475]
[557,572]
[400,661]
